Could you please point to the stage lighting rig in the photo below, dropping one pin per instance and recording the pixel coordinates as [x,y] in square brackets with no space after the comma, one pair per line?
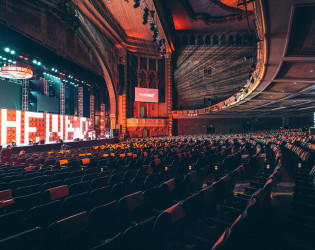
[137,4]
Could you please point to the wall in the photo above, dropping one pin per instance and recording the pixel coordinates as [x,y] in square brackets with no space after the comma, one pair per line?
[225,125]
[207,73]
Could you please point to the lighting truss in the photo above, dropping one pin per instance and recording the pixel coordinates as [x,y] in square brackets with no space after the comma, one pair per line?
[149,18]
[45,85]
[102,120]
[80,101]
[25,93]
[62,98]
[92,114]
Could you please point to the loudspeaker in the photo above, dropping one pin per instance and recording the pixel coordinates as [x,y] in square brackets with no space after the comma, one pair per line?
[121,78]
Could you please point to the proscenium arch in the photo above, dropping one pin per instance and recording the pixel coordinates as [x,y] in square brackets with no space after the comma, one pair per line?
[88,39]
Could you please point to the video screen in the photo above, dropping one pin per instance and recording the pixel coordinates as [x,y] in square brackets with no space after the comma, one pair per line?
[47,104]
[146,95]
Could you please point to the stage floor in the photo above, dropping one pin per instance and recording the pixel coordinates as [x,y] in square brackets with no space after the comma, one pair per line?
[57,146]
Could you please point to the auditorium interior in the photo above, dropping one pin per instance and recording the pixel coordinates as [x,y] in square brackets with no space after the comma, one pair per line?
[157,124]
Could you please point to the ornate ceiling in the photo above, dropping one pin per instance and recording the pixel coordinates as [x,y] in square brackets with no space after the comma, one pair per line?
[209,15]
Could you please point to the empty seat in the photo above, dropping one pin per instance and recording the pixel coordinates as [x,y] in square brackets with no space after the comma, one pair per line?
[75,203]
[89,177]
[31,239]
[27,201]
[99,182]
[78,188]
[44,214]
[132,208]
[11,223]
[52,184]
[27,190]
[100,196]
[139,236]
[55,193]
[70,233]
[6,195]
[102,220]
[111,244]
[72,180]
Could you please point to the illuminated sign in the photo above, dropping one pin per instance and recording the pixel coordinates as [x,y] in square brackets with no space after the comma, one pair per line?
[14,72]
[146,95]
[23,126]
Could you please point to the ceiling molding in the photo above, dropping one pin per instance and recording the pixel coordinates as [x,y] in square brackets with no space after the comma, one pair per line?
[235,15]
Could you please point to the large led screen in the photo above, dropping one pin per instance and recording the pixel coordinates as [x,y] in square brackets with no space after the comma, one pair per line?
[146,95]
[22,126]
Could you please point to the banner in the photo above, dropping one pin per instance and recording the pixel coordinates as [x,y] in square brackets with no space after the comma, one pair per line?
[22,126]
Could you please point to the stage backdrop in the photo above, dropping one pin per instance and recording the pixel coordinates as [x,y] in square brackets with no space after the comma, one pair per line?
[23,126]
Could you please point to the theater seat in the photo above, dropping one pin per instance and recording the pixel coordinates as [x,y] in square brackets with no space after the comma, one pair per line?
[111,244]
[11,223]
[100,196]
[139,236]
[31,239]
[55,193]
[103,220]
[169,228]
[70,233]
[75,204]
[44,214]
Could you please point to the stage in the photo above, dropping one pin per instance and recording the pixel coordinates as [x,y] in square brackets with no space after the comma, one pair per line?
[57,146]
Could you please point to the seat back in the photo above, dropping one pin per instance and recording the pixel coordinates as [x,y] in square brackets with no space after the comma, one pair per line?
[32,237]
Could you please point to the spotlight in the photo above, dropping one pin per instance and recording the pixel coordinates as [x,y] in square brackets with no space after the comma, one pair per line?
[137,4]
[39,63]
[152,26]
[34,61]
[7,50]
[12,52]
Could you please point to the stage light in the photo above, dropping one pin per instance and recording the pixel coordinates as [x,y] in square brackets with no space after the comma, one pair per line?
[34,61]
[0,57]
[4,59]
[39,63]
[12,52]
[9,60]
[53,69]
[7,50]
[152,26]
[14,62]
[137,4]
